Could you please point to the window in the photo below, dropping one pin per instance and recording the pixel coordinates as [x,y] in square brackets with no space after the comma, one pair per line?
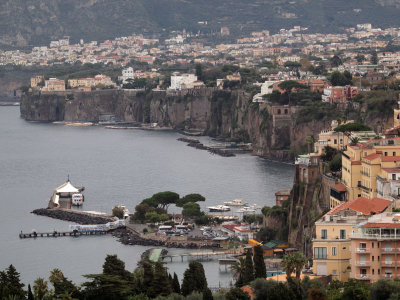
[373,258]
[394,153]
[379,271]
[379,258]
[324,234]
[393,176]
[342,234]
[334,251]
[335,141]
[341,141]
[372,244]
[279,111]
[363,245]
[386,154]
[286,111]
[320,252]
[334,272]
[373,271]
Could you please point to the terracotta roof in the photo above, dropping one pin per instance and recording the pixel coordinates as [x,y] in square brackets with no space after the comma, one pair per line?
[372,156]
[393,129]
[356,162]
[390,158]
[381,225]
[249,291]
[392,170]
[363,205]
[340,187]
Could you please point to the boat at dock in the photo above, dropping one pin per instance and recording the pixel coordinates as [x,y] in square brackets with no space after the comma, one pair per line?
[235,202]
[219,208]
[247,209]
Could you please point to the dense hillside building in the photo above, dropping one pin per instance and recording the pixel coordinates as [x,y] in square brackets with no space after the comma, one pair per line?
[332,244]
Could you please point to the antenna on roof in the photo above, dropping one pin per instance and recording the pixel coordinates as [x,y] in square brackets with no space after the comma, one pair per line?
[68,178]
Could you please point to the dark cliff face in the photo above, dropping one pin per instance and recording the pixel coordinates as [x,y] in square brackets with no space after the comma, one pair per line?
[222,113]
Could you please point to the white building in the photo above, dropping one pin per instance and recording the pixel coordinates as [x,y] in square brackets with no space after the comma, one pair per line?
[267,87]
[127,74]
[182,81]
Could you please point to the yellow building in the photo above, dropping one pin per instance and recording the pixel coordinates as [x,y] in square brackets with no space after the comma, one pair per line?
[35,80]
[363,163]
[331,246]
[332,243]
[54,85]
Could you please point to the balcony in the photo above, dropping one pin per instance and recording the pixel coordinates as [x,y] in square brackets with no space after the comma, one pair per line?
[363,277]
[388,275]
[364,187]
[387,263]
[363,263]
[362,250]
[390,250]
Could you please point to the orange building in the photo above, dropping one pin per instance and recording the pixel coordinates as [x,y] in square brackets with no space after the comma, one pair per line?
[375,248]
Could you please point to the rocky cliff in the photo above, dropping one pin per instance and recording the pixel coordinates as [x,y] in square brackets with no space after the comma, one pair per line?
[229,114]
[273,130]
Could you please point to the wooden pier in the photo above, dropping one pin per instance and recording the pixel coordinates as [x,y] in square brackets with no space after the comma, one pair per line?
[60,234]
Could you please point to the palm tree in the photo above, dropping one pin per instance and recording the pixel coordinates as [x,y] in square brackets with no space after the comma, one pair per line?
[299,262]
[354,141]
[293,263]
[310,139]
[40,288]
[238,268]
[288,265]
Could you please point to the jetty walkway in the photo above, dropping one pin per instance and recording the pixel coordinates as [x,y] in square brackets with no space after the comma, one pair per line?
[59,234]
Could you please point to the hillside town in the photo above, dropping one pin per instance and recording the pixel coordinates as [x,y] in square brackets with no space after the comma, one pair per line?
[317,101]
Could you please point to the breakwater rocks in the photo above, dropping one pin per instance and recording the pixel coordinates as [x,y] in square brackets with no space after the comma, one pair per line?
[73,216]
[128,237]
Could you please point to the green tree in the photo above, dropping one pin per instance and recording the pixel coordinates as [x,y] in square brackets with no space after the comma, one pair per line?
[355,290]
[336,61]
[352,127]
[175,284]
[236,294]
[164,199]
[288,265]
[360,58]
[191,210]
[238,271]
[199,71]
[384,289]
[160,284]
[248,273]
[118,212]
[207,295]
[62,286]
[260,271]
[40,288]
[329,153]
[270,290]
[374,58]
[194,279]
[155,217]
[340,79]
[190,198]
[335,164]
[30,294]
[310,140]
[114,266]
[12,285]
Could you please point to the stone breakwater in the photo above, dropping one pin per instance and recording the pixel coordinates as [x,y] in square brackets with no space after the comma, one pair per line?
[73,216]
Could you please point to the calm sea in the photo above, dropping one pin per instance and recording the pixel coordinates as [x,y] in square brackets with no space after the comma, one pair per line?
[116,167]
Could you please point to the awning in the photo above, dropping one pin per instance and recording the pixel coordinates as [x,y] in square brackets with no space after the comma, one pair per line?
[67,188]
